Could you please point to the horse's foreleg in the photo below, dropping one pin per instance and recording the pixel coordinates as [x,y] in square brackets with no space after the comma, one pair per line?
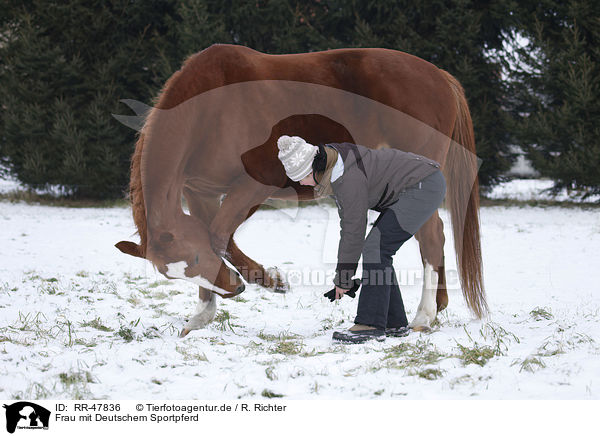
[205,312]
[434,297]
[205,208]
[254,272]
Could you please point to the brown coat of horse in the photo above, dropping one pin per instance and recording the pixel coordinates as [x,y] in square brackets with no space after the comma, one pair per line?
[214,129]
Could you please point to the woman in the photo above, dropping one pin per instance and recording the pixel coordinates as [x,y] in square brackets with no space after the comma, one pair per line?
[404,187]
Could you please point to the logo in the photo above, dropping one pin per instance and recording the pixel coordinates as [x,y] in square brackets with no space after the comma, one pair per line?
[26,415]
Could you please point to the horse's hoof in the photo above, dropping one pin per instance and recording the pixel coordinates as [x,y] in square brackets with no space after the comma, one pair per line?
[423,318]
[205,313]
[441,300]
[421,328]
[278,284]
[282,288]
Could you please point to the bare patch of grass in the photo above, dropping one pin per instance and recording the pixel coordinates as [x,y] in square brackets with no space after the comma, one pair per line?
[50,288]
[411,357]
[430,373]
[476,354]
[160,295]
[485,202]
[270,394]
[223,320]
[541,313]
[421,353]
[7,288]
[581,338]
[31,322]
[467,378]
[281,336]
[97,324]
[134,301]
[30,197]
[85,343]
[76,383]
[529,364]
[501,337]
[329,323]
[35,391]
[270,373]
[189,355]
[25,342]
[550,348]
[288,347]
[75,377]
[125,333]
[158,283]
[152,332]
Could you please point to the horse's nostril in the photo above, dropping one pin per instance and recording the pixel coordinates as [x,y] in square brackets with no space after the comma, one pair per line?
[240,289]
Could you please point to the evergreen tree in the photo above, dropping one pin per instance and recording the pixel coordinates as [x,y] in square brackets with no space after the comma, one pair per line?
[64,68]
[270,26]
[558,91]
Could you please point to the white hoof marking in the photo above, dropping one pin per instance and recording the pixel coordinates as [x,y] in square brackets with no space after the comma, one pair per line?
[427,309]
[205,313]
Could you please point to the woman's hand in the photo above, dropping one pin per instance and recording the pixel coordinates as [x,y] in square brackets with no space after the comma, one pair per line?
[339,292]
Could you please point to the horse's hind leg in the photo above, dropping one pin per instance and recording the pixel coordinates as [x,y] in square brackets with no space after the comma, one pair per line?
[434,297]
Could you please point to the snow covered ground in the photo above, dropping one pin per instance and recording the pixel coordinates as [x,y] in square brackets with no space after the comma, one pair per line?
[78,319]
[535,189]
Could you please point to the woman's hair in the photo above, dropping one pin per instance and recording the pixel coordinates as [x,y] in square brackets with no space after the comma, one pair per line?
[320,160]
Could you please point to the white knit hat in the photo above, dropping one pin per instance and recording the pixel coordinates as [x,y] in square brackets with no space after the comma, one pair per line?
[296,155]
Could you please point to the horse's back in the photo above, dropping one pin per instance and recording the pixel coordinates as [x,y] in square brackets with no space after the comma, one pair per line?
[394,78]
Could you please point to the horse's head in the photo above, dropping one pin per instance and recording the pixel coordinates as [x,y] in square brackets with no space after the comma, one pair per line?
[183,251]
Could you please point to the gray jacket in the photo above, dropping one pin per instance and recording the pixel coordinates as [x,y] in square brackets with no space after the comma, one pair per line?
[372,179]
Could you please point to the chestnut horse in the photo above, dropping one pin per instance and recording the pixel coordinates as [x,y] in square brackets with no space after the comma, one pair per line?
[211,139]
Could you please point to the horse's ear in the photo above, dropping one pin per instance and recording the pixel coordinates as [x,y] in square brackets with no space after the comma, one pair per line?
[130,248]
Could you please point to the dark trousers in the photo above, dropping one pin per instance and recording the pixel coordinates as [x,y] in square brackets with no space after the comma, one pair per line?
[380,302]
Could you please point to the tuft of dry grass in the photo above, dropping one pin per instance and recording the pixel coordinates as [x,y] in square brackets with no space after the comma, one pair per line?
[477,354]
[270,394]
[541,313]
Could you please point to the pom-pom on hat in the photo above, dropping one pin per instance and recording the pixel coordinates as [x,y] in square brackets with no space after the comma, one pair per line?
[296,155]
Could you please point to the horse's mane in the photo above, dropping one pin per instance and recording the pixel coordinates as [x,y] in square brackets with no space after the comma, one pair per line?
[136,195]
[169,96]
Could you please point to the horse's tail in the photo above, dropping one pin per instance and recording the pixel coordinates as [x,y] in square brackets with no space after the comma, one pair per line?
[463,202]
[138,207]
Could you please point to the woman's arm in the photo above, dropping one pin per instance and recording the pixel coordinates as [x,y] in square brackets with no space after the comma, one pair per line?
[352,200]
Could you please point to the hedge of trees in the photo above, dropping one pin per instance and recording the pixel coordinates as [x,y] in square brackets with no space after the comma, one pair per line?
[64,67]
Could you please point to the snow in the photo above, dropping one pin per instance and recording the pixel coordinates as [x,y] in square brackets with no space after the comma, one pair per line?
[59,272]
[10,184]
[535,189]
